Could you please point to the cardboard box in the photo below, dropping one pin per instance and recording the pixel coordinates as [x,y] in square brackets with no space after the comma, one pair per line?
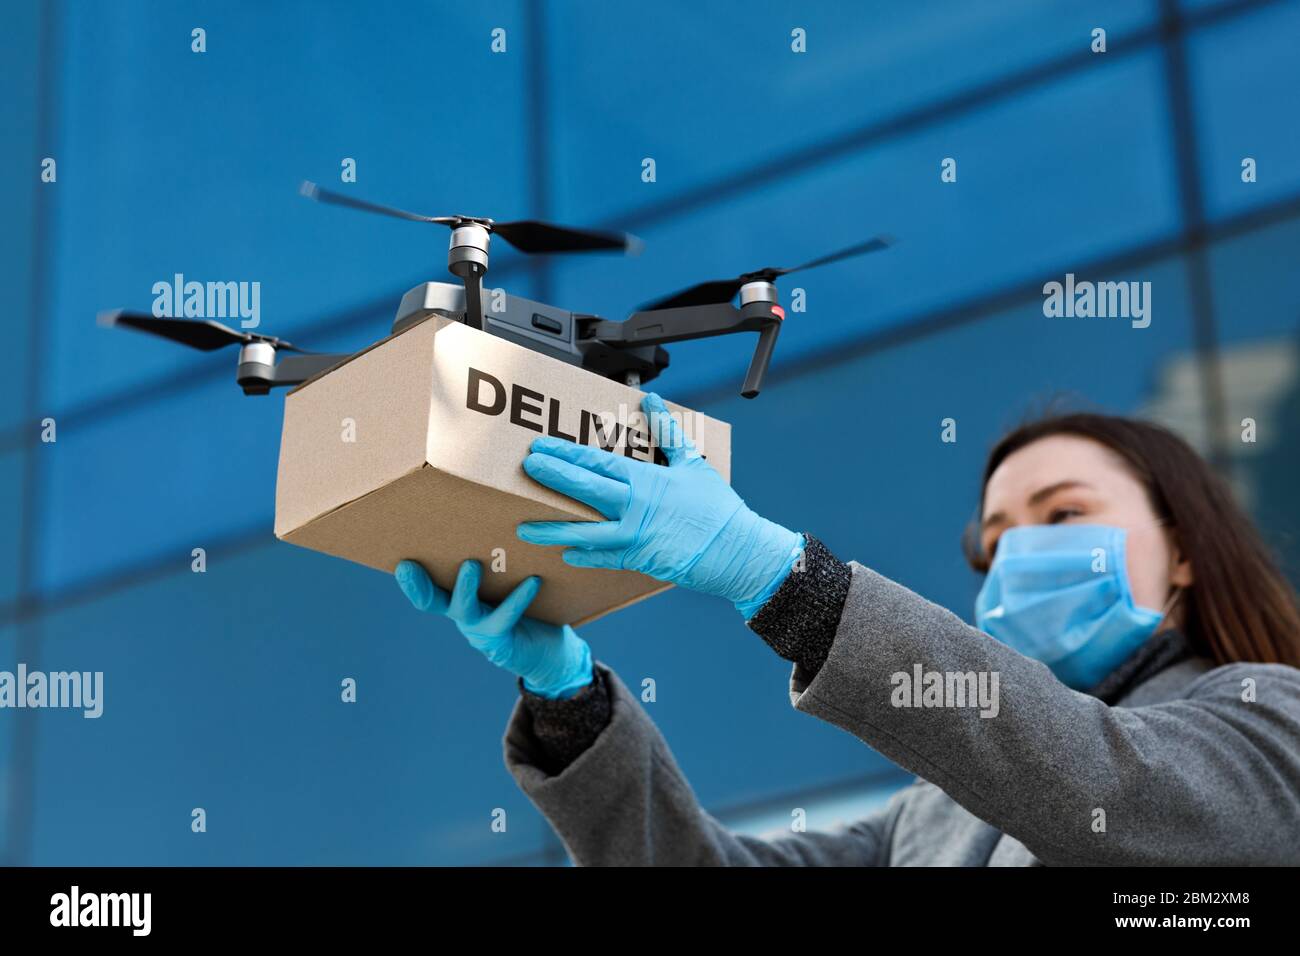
[413,448]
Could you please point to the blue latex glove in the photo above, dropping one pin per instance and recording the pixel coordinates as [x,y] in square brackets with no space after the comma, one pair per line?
[552,659]
[681,523]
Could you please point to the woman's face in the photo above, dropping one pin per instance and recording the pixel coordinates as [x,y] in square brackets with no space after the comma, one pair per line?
[1074,480]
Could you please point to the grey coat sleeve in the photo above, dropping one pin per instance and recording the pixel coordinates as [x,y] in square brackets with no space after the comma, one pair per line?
[623,801]
[1209,778]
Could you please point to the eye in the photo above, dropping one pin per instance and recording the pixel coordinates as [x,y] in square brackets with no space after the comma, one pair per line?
[1057,515]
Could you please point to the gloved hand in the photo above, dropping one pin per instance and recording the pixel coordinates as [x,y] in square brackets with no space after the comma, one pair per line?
[681,523]
[552,659]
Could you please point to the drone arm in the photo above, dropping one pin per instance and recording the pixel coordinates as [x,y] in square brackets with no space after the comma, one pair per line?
[661,326]
[296,369]
[257,375]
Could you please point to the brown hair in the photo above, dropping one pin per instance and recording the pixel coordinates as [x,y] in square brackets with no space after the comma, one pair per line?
[1239,607]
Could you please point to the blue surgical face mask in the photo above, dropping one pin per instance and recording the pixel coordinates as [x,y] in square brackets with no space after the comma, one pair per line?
[1061,595]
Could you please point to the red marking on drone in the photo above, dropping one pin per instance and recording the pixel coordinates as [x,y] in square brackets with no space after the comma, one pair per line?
[778,312]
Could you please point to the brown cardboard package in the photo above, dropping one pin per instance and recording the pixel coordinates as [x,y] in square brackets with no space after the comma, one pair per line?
[413,449]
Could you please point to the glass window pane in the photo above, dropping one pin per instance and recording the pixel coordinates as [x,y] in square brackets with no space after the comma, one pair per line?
[1244,75]
[12,518]
[10,775]
[1257,305]
[707,94]
[20,190]
[222,690]
[1040,188]
[198,175]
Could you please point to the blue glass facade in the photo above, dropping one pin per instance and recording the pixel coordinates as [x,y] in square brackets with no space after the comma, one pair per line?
[222,688]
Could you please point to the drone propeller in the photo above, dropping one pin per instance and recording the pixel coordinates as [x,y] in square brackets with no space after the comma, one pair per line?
[205,334]
[328,196]
[717,291]
[526,235]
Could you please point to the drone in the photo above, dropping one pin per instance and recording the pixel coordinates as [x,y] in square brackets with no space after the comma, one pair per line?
[629,351]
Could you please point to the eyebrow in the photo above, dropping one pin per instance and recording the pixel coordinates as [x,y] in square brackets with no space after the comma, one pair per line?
[1039,496]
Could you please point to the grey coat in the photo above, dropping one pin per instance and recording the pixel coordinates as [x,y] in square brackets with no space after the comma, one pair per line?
[1194,765]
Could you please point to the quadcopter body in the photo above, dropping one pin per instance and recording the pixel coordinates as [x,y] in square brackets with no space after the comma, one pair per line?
[629,351]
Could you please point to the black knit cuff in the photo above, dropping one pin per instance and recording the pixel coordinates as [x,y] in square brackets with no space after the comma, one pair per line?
[565,727]
[799,621]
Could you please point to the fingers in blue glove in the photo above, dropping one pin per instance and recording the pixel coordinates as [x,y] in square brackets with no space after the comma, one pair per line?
[510,611]
[605,463]
[419,588]
[604,481]
[607,495]
[463,605]
[576,534]
[612,558]
[666,433]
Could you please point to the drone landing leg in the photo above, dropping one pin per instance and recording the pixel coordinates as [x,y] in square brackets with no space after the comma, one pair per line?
[762,356]
[474,299]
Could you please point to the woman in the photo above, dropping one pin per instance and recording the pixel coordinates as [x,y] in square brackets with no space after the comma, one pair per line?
[1139,646]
